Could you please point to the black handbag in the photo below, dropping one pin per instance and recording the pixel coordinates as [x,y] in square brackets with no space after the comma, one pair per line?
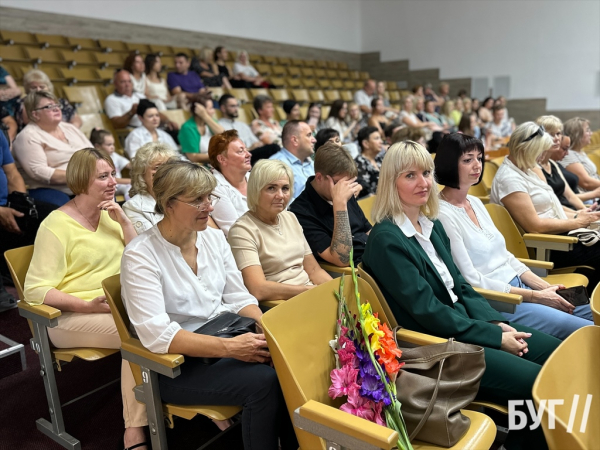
[26,205]
[226,325]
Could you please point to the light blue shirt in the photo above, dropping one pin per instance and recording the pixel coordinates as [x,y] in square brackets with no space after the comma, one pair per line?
[302,170]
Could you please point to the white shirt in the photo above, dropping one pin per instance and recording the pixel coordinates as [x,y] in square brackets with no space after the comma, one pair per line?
[479,253]
[573,157]
[120,163]
[244,131]
[141,136]
[423,239]
[117,105]
[162,295]
[139,86]
[232,204]
[361,98]
[510,178]
[247,70]
[141,212]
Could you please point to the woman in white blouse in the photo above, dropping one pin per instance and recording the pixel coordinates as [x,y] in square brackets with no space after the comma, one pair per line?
[243,70]
[176,278]
[520,186]
[231,162]
[156,86]
[134,64]
[141,207]
[576,161]
[149,131]
[479,249]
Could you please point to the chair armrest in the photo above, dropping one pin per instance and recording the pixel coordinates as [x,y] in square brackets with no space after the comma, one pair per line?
[343,428]
[543,243]
[416,338]
[335,269]
[166,364]
[534,263]
[43,314]
[550,238]
[500,301]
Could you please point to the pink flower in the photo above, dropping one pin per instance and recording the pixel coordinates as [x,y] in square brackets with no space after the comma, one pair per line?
[377,410]
[347,352]
[343,381]
[358,406]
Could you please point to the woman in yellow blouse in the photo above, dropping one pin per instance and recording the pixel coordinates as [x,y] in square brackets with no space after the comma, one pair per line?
[77,246]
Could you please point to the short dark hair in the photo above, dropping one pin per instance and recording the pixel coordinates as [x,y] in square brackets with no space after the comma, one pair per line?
[260,100]
[289,129]
[389,129]
[449,151]
[224,98]
[144,105]
[497,108]
[288,105]
[182,55]
[323,136]
[364,134]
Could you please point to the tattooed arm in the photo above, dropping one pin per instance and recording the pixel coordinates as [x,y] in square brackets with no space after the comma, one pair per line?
[338,253]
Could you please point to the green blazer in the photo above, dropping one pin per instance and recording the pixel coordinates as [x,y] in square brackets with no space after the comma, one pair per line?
[416,293]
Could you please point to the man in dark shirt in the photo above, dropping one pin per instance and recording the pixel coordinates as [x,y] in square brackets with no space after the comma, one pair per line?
[184,83]
[327,209]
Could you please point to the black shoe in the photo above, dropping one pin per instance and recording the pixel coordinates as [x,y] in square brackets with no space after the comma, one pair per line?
[7,301]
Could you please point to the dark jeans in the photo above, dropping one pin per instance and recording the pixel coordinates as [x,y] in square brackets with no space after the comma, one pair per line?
[264,152]
[231,382]
[580,256]
[48,195]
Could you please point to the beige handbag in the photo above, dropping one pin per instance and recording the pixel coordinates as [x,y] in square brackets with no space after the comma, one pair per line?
[434,384]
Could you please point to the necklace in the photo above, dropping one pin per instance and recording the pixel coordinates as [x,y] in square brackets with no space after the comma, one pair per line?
[93,227]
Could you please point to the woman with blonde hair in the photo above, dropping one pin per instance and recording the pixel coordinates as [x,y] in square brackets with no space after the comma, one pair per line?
[576,161]
[179,276]
[243,70]
[408,255]
[522,189]
[141,207]
[267,241]
[36,80]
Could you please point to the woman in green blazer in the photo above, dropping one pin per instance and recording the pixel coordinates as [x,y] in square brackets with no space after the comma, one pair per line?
[408,254]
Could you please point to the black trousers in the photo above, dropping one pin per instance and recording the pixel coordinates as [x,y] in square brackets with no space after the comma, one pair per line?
[232,382]
[580,256]
[264,152]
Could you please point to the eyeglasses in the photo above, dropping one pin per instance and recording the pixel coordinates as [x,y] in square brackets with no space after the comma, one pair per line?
[212,200]
[540,132]
[49,108]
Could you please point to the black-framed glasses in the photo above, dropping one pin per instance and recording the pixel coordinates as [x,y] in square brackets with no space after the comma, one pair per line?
[540,132]
[212,200]
[49,108]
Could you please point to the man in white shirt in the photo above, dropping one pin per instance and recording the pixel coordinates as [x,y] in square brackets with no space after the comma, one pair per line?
[364,97]
[121,106]
[260,148]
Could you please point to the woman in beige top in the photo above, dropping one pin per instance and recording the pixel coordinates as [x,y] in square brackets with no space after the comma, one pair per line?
[267,241]
[45,146]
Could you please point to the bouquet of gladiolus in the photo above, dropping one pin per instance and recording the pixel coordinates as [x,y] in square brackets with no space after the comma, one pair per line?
[366,366]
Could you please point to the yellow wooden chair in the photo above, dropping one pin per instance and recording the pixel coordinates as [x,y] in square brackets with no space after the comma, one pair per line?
[489,173]
[572,370]
[480,192]
[366,204]
[146,366]
[40,317]
[542,243]
[298,333]
[179,116]
[595,305]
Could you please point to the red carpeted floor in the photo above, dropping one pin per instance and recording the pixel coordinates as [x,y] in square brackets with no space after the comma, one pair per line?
[97,420]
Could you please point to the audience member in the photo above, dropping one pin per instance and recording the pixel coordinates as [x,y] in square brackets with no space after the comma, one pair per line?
[446,114]
[456,113]
[196,132]
[443,93]
[479,250]
[9,92]
[121,105]
[36,80]
[292,111]
[468,125]
[378,118]
[8,125]
[338,120]
[463,94]
[434,117]
[571,178]
[184,83]
[408,256]
[141,208]
[497,129]
[576,161]
[182,290]
[298,147]
[485,111]
[409,134]
[157,90]
[20,216]
[467,105]
[327,210]
[220,56]
[364,96]
[104,141]
[502,102]
[410,119]
[418,91]
[134,64]
[243,70]
[265,124]
[355,115]
[76,248]
[45,146]
[327,135]
[430,95]
[369,161]
[419,108]
[383,95]
[231,164]
[260,149]
[313,117]
[267,241]
[522,190]
[208,70]
[149,131]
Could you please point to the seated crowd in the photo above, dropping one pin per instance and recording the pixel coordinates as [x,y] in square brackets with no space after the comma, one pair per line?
[219,216]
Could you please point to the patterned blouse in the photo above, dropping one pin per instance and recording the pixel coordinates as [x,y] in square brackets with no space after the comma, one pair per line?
[368,175]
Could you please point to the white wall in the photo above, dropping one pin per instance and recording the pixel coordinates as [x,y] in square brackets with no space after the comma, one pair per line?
[549,49]
[313,23]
